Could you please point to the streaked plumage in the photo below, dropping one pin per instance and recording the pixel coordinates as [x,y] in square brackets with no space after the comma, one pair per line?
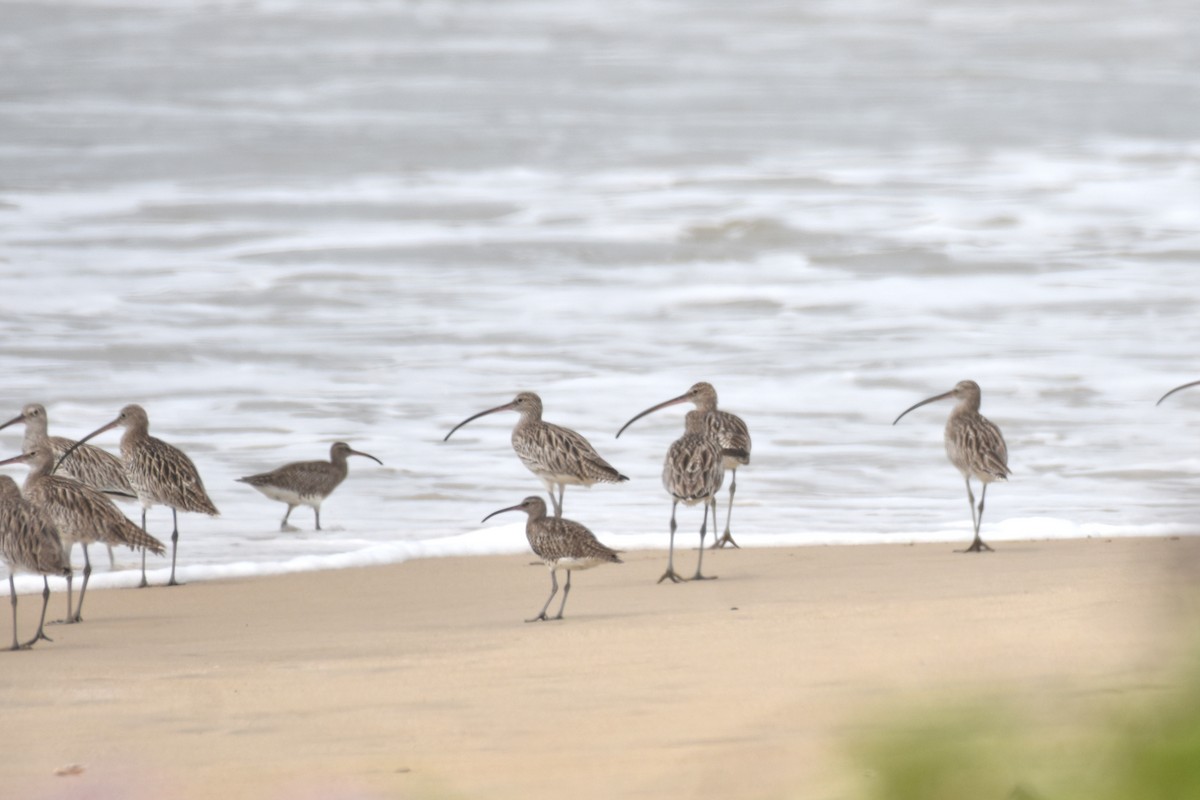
[974,446]
[558,456]
[560,544]
[731,434]
[90,465]
[80,513]
[29,542]
[693,472]
[159,473]
[306,483]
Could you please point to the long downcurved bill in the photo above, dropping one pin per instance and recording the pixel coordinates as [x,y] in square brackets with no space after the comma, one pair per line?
[683,398]
[75,446]
[517,507]
[14,460]
[942,396]
[1176,389]
[505,407]
[13,421]
[367,455]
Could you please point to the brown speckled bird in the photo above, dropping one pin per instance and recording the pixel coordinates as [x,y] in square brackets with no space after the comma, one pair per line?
[81,515]
[558,456]
[560,544]
[90,465]
[306,483]
[159,473]
[693,472]
[28,542]
[974,446]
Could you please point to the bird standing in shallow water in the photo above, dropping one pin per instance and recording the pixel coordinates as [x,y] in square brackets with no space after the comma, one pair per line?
[693,472]
[28,541]
[560,544]
[558,456]
[306,483]
[80,513]
[974,446]
[159,473]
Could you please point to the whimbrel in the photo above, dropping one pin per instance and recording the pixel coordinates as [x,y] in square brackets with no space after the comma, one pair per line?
[1176,389]
[974,446]
[28,541]
[159,473]
[558,456]
[81,515]
[306,483]
[692,473]
[90,465]
[560,544]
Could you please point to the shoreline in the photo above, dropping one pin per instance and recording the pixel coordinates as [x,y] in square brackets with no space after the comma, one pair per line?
[419,679]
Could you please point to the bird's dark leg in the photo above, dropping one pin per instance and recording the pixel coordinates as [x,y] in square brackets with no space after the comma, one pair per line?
[41,634]
[87,573]
[566,591]
[144,582]
[703,530]
[12,593]
[727,537]
[174,545]
[671,574]
[70,590]
[553,591]
[978,545]
[317,515]
[112,559]
[283,526]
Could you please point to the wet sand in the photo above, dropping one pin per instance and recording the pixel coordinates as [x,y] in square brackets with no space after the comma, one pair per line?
[421,679]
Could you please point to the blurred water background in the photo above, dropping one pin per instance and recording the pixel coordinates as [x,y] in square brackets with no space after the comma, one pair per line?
[277,224]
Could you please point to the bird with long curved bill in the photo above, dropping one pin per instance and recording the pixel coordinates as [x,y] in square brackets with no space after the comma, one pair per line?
[560,544]
[974,446]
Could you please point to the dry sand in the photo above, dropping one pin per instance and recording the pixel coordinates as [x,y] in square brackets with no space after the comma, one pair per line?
[420,680]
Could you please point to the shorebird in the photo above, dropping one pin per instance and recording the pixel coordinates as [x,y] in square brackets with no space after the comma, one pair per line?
[560,544]
[974,446]
[90,465]
[692,473]
[731,434]
[159,473]
[1176,389]
[81,515]
[558,456]
[306,483]
[28,541]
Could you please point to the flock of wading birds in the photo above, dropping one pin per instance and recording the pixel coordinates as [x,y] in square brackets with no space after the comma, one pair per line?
[67,496]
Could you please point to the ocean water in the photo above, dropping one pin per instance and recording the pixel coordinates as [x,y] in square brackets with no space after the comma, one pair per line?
[279,224]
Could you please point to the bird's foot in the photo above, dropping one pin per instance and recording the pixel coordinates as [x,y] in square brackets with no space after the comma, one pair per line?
[699,577]
[173,582]
[672,576]
[977,546]
[22,645]
[725,539]
[144,583]
[541,618]
[67,621]
[286,528]
[33,641]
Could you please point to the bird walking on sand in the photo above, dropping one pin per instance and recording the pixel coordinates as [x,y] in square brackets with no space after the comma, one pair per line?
[731,434]
[974,446]
[560,544]
[159,473]
[80,513]
[90,465]
[28,541]
[1176,389]
[558,456]
[306,483]
[693,472]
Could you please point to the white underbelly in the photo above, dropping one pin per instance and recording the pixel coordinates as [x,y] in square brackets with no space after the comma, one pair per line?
[290,496]
[577,563]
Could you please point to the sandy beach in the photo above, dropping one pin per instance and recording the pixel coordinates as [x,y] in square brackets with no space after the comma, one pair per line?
[421,679]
